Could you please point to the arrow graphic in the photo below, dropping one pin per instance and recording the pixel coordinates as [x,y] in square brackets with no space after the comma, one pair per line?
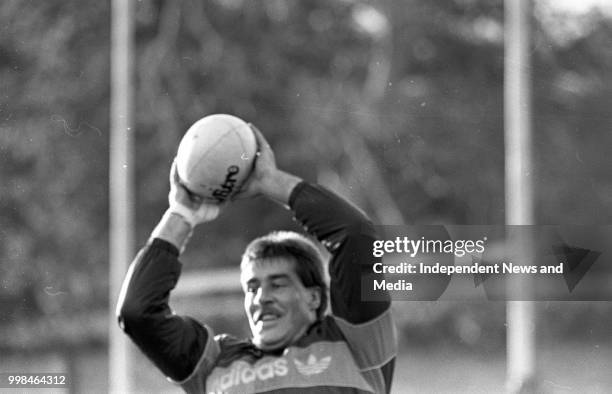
[576,261]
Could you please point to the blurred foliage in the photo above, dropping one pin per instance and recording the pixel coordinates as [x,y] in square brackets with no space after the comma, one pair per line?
[397,105]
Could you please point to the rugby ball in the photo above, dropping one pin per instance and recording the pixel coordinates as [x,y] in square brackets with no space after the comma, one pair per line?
[216,156]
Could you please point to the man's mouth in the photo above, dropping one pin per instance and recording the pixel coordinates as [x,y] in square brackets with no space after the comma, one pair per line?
[266,317]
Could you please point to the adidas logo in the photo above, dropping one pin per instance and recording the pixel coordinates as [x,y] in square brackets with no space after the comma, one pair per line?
[243,373]
[312,366]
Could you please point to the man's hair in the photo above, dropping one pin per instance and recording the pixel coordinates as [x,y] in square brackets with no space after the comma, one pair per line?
[297,248]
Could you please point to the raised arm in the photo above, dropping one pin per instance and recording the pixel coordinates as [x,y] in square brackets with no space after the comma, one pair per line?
[343,229]
[174,343]
[348,235]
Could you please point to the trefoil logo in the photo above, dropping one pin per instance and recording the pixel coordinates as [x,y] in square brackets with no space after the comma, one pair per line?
[312,366]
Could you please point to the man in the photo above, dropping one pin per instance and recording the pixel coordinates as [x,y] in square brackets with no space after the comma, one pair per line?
[295,348]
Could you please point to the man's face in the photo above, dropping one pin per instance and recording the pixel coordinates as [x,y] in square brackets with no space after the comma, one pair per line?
[278,306]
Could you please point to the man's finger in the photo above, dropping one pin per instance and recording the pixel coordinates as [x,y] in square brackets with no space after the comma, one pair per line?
[174,178]
[262,143]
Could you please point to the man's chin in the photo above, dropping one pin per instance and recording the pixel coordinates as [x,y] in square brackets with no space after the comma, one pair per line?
[269,342]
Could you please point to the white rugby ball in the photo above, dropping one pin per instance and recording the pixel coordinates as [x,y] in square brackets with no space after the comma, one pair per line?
[216,156]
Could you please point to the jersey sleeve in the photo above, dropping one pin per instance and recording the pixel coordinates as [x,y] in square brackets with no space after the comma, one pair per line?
[348,235]
[175,344]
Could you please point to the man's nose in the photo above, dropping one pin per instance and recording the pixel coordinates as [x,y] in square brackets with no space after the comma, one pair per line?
[263,295]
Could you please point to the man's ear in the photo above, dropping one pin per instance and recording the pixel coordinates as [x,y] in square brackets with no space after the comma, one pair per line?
[314,300]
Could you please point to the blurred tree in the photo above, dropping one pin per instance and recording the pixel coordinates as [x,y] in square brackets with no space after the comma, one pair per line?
[53,117]
[573,122]
[396,104]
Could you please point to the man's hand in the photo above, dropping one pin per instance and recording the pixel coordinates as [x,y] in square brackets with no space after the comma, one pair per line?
[266,179]
[188,205]
[186,211]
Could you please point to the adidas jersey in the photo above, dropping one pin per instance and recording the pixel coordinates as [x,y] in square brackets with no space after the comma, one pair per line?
[333,357]
[352,350]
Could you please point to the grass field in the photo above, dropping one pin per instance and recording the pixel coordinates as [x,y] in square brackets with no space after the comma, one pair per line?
[569,368]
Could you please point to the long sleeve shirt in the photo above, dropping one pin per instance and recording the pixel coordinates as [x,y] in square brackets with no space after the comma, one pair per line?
[351,350]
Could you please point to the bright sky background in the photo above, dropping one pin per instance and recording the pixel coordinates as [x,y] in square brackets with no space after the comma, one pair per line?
[566,30]
[581,6]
